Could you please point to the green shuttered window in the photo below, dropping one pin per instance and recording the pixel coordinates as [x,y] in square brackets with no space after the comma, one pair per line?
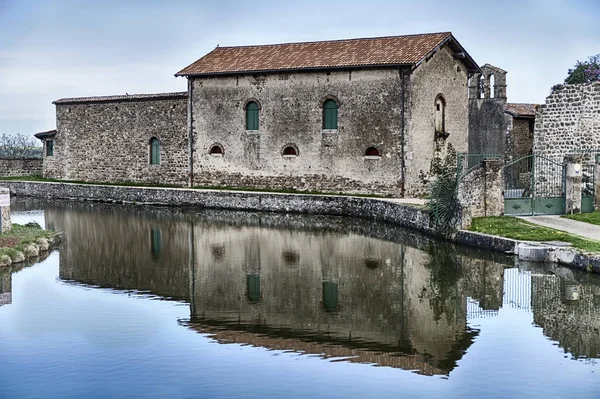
[252,112]
[49,148]
[330,115]
[154,151]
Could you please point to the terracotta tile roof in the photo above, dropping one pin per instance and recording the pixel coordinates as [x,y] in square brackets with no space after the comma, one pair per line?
[377,51]
[121,98]
[520,109]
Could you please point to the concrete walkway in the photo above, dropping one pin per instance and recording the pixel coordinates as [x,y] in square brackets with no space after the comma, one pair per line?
[582,229]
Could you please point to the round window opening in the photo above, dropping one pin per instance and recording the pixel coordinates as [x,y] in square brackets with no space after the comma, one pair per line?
[216,150]
[372,152]
[290,151]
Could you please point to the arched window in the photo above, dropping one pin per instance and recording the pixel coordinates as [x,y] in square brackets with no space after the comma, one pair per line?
[372,152]
[252,111]
[330,114]
[290,151]
[492,86]
[440,116]
[481,87]
[154,151]
[216,149]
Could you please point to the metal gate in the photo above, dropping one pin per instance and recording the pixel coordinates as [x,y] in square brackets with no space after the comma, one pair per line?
[534,185]
[587,188]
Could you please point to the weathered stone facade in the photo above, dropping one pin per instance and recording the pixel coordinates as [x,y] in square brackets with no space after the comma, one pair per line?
[568,122]
[107,139]
[441,76]
[20,167]
[487,120]
[291,114]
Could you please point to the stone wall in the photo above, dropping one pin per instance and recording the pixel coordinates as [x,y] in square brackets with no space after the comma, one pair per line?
[480,192]
[443,75]
[107,139]
[20,167]
[369,115]
[375,209]
[568,122]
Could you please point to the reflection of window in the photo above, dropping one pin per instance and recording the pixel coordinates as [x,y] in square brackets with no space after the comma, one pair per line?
[330,296]
[330,115]
[253,287]
[49,148]
[154,151]
[290,257]
[155,244]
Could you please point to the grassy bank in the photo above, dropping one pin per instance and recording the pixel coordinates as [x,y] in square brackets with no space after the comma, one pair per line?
[511,227]
[21,241]
[592,217]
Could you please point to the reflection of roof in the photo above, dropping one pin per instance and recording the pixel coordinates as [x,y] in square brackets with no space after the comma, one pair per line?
[521,109]
[45,135]
[348,53]
[121,98]
[326,346]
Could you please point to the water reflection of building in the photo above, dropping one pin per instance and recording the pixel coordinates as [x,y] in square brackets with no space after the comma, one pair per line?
[567,307]
[339,295]
[330,286]
[5,286]
[125,248]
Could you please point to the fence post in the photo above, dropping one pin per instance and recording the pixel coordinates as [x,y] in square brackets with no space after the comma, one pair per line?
[573,183]
[597,183]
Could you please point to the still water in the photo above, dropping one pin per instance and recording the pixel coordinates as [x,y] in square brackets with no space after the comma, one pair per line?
[167,303]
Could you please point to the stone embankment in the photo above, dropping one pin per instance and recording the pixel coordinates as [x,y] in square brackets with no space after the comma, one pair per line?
[384,210]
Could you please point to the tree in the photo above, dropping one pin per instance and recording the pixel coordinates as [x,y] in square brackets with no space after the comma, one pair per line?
[583,72]
[19,146]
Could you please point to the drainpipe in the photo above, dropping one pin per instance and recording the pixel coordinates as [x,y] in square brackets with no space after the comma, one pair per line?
[402,122]
[191,130]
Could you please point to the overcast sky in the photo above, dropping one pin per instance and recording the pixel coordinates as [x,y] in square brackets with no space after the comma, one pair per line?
[70,48]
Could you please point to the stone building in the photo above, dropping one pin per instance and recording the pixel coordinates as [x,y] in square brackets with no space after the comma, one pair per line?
[354,116]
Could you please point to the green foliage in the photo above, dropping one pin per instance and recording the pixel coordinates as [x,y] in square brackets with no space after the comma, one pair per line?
[582,72]
[518,229]
[446,271]
[443,205]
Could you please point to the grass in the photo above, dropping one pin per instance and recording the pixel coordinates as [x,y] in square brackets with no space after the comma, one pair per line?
[511,227]
[592,217]
[220,188]
[16,240]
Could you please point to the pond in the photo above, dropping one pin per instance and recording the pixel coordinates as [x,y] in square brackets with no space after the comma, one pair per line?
[155,302]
